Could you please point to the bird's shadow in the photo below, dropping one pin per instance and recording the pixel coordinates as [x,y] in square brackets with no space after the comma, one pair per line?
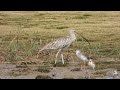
[59,64]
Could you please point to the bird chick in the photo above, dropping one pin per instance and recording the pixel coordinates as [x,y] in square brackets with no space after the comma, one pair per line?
[115,74]
[82,57]
[91,64]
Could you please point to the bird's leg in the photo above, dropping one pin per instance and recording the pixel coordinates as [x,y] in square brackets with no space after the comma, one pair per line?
[57,55]
[62,59]
[38,53]
[67,56]
[81,66]
[84,65]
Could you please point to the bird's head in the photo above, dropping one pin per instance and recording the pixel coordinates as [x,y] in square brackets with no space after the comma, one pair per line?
[54,74]
[91,61]
[72,31]
[115,72]
[75,33]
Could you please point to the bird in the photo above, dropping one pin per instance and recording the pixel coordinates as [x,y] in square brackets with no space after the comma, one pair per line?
[112,75]
[60,44]
[115,74]
[91,64]
[85,58]
[82,57]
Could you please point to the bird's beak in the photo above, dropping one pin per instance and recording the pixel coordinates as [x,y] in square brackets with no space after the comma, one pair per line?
[82,37]
[76,33]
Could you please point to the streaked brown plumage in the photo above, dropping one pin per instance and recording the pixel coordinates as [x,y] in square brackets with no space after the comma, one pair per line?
[60,44]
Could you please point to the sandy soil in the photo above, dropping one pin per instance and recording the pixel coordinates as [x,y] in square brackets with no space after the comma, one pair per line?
[11,71]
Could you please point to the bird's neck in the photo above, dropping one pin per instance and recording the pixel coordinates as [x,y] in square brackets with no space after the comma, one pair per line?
[72,36]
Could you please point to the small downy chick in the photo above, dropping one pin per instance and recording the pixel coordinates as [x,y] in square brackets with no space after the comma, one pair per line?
[82,57]
[91,64]
[115,74]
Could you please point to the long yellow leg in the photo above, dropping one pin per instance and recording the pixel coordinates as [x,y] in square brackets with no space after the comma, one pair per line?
[81,67]
[84,65]
[62,59]
[57,55]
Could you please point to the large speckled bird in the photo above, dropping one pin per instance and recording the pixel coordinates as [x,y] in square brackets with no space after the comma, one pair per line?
[60,44]
[82,57]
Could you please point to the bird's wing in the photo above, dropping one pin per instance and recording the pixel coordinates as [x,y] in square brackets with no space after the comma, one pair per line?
[82,57]
[54,44]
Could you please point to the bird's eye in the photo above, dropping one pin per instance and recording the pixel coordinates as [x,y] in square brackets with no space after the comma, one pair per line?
[53,74]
